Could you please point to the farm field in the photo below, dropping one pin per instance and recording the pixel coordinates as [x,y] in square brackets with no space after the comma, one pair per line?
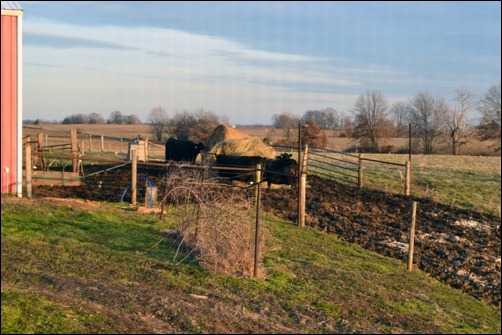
[471,182]
[74,266]
[58,132]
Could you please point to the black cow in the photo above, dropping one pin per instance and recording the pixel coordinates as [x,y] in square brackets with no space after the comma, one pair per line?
[282,170]
[239,162]
[182,150]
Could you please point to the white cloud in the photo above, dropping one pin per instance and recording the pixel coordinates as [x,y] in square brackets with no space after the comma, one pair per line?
[99,69]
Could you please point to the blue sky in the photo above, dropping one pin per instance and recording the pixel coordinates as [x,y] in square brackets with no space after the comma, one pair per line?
[250,60]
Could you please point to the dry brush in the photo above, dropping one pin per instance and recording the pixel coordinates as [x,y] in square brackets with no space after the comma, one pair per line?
[215,222]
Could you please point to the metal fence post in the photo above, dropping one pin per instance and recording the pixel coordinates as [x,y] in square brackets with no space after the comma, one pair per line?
[408,178]
[360,172]
[412,236]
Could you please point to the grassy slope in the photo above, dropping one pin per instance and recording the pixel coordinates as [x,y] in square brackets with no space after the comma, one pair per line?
[69,270]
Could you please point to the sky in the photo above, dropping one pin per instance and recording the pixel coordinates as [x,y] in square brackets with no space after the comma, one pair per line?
[250,60]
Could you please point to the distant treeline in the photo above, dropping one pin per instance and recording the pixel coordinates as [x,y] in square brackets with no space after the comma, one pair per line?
[116,117]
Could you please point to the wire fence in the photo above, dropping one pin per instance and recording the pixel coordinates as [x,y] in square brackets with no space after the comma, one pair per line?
[350,168]
[357,169]
[334,165]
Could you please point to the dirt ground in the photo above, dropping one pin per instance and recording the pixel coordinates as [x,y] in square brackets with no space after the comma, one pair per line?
[462,248]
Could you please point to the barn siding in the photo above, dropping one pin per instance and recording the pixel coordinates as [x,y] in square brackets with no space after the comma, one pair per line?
[9,103]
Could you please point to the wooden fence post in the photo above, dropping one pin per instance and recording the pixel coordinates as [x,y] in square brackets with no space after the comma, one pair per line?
[412,236]
[134,177]
[28,170]
[90,143]
[40,139]
[146,149]
[74,149]
[121,145]
[257,224]
[102,143]
[303,188]
[360,172]
[257,179]
[82,149]
[408,178]
[305,159]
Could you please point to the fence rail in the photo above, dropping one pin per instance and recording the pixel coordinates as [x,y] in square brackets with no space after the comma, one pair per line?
[342,166]
[325,163]
[333,158]
[334,165]
[383,162]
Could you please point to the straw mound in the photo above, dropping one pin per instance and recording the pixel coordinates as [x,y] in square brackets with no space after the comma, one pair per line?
[222,133]
[244,147]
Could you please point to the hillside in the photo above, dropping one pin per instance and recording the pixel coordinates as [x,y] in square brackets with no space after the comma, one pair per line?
[74,266]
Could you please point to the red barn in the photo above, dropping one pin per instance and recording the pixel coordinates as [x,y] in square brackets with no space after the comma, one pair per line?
[11,86]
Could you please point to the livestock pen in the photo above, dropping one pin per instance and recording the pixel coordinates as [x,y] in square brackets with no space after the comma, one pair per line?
[358,169]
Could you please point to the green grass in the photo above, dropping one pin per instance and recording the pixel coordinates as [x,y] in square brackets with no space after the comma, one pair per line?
[35,313]
[69,270]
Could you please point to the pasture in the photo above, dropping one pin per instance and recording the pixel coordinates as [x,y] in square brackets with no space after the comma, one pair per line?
[471,182]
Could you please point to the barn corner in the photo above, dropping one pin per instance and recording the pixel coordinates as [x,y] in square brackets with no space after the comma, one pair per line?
[11,97]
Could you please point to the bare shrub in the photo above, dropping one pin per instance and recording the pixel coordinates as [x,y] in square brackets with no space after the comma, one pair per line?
[215,222]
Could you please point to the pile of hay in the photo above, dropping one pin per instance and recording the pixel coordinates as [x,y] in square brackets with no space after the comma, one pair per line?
[244,147]
[222,133]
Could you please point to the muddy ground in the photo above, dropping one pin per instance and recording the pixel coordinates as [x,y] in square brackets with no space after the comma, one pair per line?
[460,247]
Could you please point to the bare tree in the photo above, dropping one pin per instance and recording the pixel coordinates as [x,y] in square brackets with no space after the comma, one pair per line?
[76,119]
[158,120]
[195,126]
[399,112]
[95,118]
[332,118]
[133,119]
[456,119]
[313,135]
[325,118]
[287,122]
[116,117]
[427,116]
[489,106]
[346,125]
[371,122]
